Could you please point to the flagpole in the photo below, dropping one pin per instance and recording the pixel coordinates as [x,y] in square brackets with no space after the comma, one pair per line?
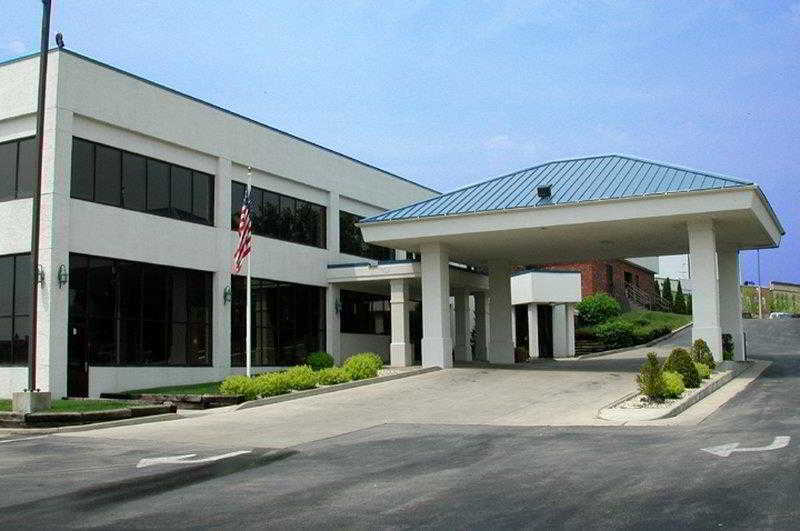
[249,318]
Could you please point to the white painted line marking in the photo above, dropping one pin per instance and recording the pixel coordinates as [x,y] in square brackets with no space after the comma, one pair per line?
[185,459]
[727,449]
[22,439]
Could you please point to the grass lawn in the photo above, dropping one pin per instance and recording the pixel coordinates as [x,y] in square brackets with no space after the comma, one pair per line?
[207,388]
[76,405]
[646,320]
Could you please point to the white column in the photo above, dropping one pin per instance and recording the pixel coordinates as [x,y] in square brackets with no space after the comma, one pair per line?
[461,344]
[533,330]
[437,345]
[480,327]
[333,330]
[705,288]
[501,347]
[221,322]
[570,311]
[560,331]
[401,349]
[513,326]
[53,304]
[730,301]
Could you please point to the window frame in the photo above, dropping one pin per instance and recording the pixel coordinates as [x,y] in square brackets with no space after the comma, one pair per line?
[13,316]
[170,212]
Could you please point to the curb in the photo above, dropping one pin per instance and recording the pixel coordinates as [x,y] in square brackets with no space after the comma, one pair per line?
[94,426]
[333,388]
[634,347]
[644,415]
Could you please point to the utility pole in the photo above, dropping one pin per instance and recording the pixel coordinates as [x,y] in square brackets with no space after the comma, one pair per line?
[37,194]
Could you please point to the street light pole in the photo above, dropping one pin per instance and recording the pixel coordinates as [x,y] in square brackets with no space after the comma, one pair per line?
[37,193]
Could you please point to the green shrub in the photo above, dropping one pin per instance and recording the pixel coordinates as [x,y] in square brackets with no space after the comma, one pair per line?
[702,354]
[648,334]
[681,362]
[727,347]
[319,360]
[301,377]
[239,385]
[598,308]
[361,366]
[651,378]
[333,375]
[616,333]
[271,384]
[703,370]
[673,384]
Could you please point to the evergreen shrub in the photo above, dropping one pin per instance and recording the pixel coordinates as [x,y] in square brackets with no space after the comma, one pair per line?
[680,361]
[673,384]
[651,378]
[333,375]
[598,308]
[319,360]
[702,354]
[364,365]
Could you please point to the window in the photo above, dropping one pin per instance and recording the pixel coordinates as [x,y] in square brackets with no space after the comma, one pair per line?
[281,217]
[365,313]
[140,314]
[17,168]
[287,322]
[111,176]
[15,308]
[352,242]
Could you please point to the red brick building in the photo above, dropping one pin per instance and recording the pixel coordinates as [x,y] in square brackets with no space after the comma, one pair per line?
[609,276]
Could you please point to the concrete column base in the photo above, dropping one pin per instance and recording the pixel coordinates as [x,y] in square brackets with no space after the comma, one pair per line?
[437,352]
[30,402]
[401,354]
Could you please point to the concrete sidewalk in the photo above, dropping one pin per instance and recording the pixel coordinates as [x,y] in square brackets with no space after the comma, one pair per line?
[548,393]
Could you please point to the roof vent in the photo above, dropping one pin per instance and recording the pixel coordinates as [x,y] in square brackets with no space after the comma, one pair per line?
[544,191]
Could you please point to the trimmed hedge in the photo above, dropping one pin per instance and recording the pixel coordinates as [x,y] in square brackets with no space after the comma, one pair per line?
[333,375]
[598,308]
[364,365]
[239,385]
[300,378]
[702,370]
[271,384]
[319,360]
[673,384]
[616,334]
[681,362]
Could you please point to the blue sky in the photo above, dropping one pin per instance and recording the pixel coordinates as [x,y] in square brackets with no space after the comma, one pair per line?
[449,93]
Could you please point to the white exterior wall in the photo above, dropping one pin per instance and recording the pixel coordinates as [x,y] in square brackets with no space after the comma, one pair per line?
[100,104]
[545,286]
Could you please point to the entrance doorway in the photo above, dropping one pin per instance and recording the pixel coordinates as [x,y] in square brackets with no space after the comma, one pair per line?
[545,315]
[521,324]
[77,362]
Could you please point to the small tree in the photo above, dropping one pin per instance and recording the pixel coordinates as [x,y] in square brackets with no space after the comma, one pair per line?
[680,302]
[666,290]
[651,379]
[680,361]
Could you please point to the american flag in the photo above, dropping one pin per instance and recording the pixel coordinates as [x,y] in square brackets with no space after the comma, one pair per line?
[243,247]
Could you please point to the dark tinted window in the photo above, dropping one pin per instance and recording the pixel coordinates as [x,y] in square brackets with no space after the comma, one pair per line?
[286,322]
[158,187]
[352,242]
[134,181]
[111,176]
[364,313]
[201,196]
[82,186]
[8,170]
[108,175]
[15,305]
[26,169]
[181,193]
[141,314]
[237,197]
[283,217]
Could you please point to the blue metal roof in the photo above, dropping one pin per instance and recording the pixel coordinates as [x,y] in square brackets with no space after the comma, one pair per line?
[572,181]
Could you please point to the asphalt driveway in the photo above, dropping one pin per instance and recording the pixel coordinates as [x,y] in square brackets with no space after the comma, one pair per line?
[546,393]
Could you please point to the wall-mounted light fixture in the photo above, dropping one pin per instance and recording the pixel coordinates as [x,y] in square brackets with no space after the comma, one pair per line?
[40,275]
[338,306]
[63,276]
[227,295]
